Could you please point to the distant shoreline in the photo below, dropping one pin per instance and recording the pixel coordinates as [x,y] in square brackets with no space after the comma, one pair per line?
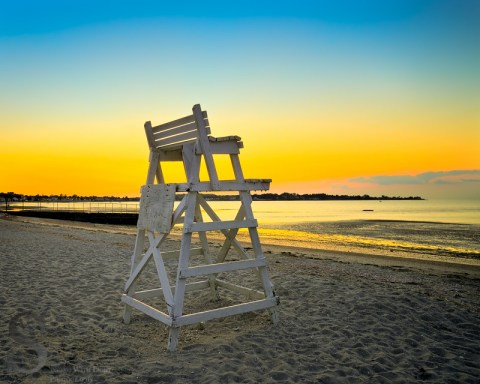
[286,196]
[86,217]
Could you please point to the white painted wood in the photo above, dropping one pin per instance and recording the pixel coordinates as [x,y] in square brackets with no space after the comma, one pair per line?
[178,122]
[229,237]
[148,294]
[145,259]
[224,312]
[237,169]
[176,145]
[195,286]
[204,270]
[163,134]
[267,284]
[137,270]
[148,310]
[219,225]
[173,338]
[158,292]
[173,154]
[224,138]
[221,147]
[227,185]
[162,275]
[188,158]
[173,255]
[185,245]
[154,168]
[148,132]
[204,145]
[236,244]
[187,136]
[156,207]
[206,251]
[179,210]
[248,292]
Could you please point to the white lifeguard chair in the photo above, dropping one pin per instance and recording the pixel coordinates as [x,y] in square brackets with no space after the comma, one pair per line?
[187,140]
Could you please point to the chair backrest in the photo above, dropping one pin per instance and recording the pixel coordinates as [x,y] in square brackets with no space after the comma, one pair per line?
[174,133]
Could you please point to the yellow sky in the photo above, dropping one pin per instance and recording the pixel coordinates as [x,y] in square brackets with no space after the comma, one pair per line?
[324,102]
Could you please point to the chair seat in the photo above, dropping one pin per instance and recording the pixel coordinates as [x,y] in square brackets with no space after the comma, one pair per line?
[178,147]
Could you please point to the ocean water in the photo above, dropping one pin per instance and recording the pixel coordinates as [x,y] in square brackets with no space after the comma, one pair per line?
[438,228]
[288,212]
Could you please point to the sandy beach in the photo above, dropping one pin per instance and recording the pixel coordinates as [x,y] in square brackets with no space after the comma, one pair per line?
[345,317]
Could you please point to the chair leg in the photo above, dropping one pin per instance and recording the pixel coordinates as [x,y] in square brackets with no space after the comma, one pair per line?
[177,310]
[206,252]
[173,339]
[137,252]
[246,199]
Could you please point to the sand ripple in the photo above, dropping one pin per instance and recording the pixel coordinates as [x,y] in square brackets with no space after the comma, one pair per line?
[340,322]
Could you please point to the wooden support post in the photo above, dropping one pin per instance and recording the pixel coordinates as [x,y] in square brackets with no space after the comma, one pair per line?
[185,245]
[267,285]
[206,252]
[205,146]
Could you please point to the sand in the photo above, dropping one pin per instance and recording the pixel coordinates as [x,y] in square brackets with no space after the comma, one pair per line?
[345,318]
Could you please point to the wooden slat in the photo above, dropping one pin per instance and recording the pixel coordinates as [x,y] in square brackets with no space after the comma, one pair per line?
[204,145]
[158,292]
[210,212]
[173,123]
[224,138]
[148,132]
[162,275]
[177,122]
[149,293]
[148,310]
[233,185]
[196,286]
[221,147]
[146,257]
[175,254]
[219,225]
[204,270]
[175,131]
[225,311]
[176,139]
[248,292]
[138,269]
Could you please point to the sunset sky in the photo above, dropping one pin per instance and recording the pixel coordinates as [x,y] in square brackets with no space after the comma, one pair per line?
[344,97]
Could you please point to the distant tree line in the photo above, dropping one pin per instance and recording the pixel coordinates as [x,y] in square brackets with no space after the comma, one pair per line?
[324,196]
[11,196]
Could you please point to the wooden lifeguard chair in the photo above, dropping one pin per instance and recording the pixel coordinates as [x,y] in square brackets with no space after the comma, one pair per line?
[187,140]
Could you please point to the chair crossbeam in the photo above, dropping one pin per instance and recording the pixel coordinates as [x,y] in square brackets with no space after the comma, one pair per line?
[221,267]
[219,225]
[225,311]
[227,186]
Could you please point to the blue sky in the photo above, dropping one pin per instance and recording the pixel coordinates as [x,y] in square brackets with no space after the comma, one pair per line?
[32,17]
[368,88]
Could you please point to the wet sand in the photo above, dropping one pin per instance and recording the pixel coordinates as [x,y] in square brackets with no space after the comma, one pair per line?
[345,316]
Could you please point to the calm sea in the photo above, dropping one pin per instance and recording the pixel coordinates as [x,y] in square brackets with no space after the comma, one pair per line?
[442,211]
[442,228]
[437,228]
